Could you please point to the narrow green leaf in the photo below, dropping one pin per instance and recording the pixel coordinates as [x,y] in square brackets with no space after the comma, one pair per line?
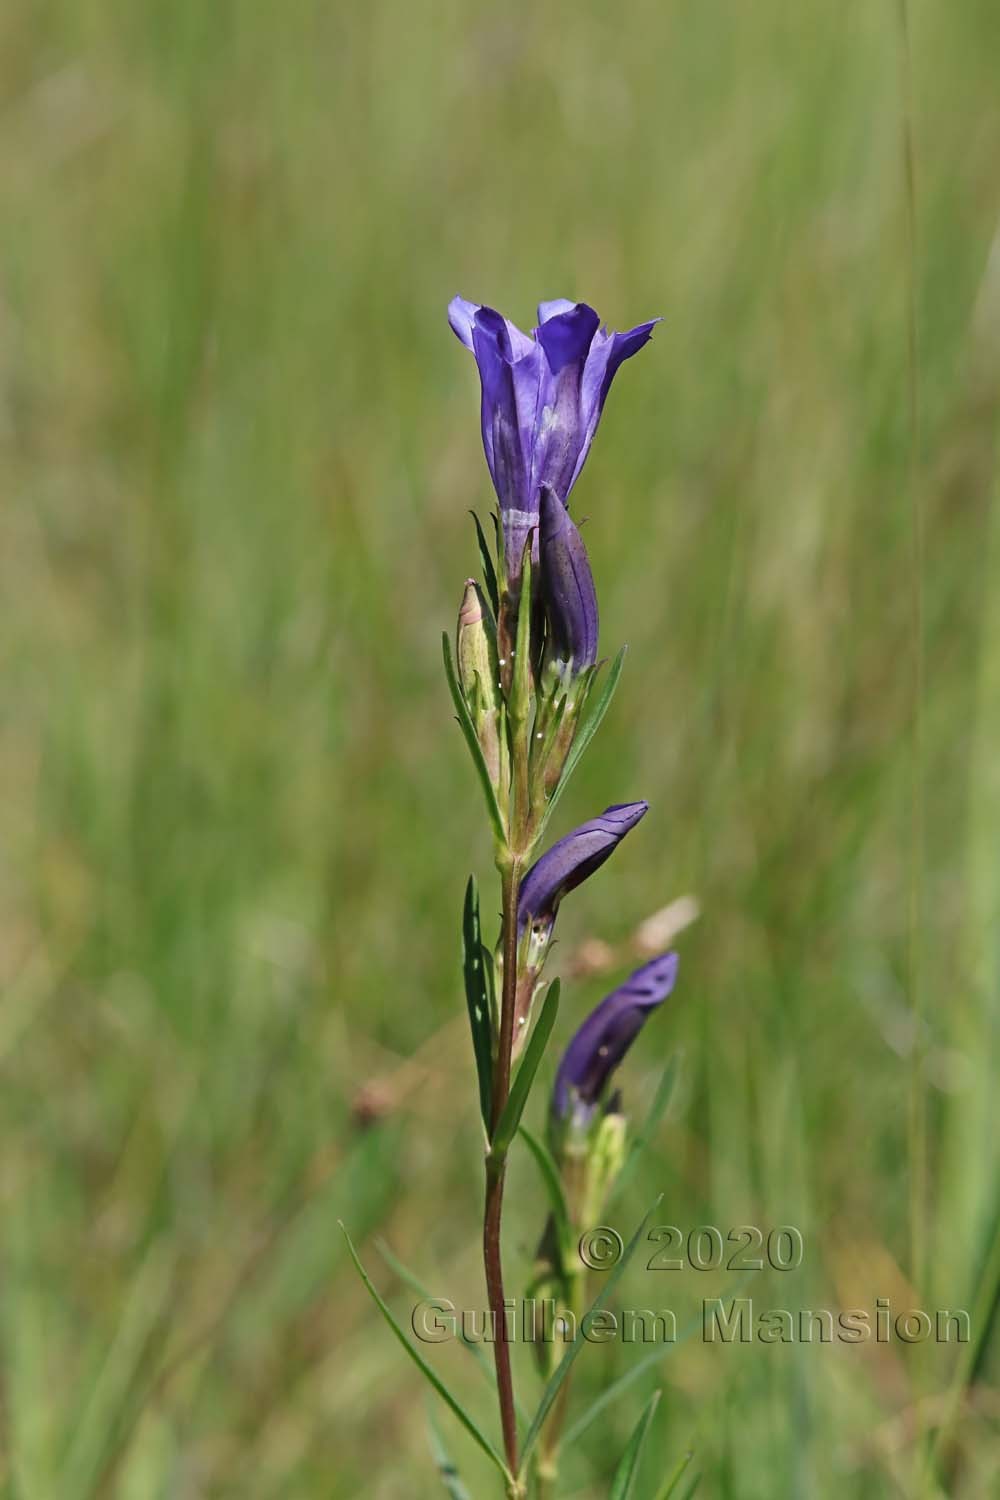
[407,1277]
[477,999]
[489,572]
[491,993]
[553,1187]
[673,1479]
[627,1471]
[467,728]
[645,1133]
[443,1461]
[587,730]
[562,1370]
[635,1372]
[450,1401]
[525,1075]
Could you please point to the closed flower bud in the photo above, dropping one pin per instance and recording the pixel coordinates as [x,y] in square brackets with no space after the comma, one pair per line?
[603,1040]
[567,588]
[569,862]
[560,869]
[478,673]
[475,647]
[605,1159]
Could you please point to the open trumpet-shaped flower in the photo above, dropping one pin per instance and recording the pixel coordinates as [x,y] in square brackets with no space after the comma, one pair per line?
[606,1035]
[542,398]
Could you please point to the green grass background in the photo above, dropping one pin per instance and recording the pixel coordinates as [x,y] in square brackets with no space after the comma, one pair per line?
[238,446]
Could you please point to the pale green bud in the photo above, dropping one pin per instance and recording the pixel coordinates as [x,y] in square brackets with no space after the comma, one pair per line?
[476,646]
[479,673]
[605,1159]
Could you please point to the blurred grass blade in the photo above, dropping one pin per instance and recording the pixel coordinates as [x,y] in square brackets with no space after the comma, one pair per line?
[588,729]
[147,1309]
[553,1187]
[984,1313]
[466,726]
[551,1391]
[635,1372]
[422,1365]
[525,1075]
[489,572]
[673,1479]
[627,1472]
[442,1459]
[645,1133]
[477,999]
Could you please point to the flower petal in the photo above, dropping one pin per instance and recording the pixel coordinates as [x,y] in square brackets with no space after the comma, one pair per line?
[566,337]
[607,352]
[606,1035]
[547,310]
[542,400]
[510,394]
[462,317]
[568,863]
[623,346]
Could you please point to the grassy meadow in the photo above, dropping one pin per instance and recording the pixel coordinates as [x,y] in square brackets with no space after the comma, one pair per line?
[239,444]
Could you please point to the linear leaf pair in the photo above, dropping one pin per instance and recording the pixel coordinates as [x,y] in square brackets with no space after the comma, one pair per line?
[452,1402]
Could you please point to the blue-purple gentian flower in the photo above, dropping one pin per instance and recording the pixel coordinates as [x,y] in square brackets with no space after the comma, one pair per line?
[571,860]
[605,1037]
[542,400]
[567,586]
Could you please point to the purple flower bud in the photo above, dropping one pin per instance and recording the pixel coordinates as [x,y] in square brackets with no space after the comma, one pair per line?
[568,863]
[567,586]
[605,1037]
[542,398]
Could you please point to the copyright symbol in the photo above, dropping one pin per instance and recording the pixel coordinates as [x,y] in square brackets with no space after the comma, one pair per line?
[601,1248]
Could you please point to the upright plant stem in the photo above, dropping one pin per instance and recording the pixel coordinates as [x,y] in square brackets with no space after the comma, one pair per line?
[496,1169]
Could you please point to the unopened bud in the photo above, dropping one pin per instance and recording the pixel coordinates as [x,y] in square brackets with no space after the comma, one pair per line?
[567,587]
[605,1159]
[479,673]
[476,646]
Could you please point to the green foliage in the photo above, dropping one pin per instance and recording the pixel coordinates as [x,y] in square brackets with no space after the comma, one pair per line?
[474,965]
[239,445]
[554,1384]
[489,570]
[646,1132]
[524,1075]
[627,1473]
[444,1462]
[674,1478]
[593,715]
[469,734]
[426,1370]
[549,1173]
